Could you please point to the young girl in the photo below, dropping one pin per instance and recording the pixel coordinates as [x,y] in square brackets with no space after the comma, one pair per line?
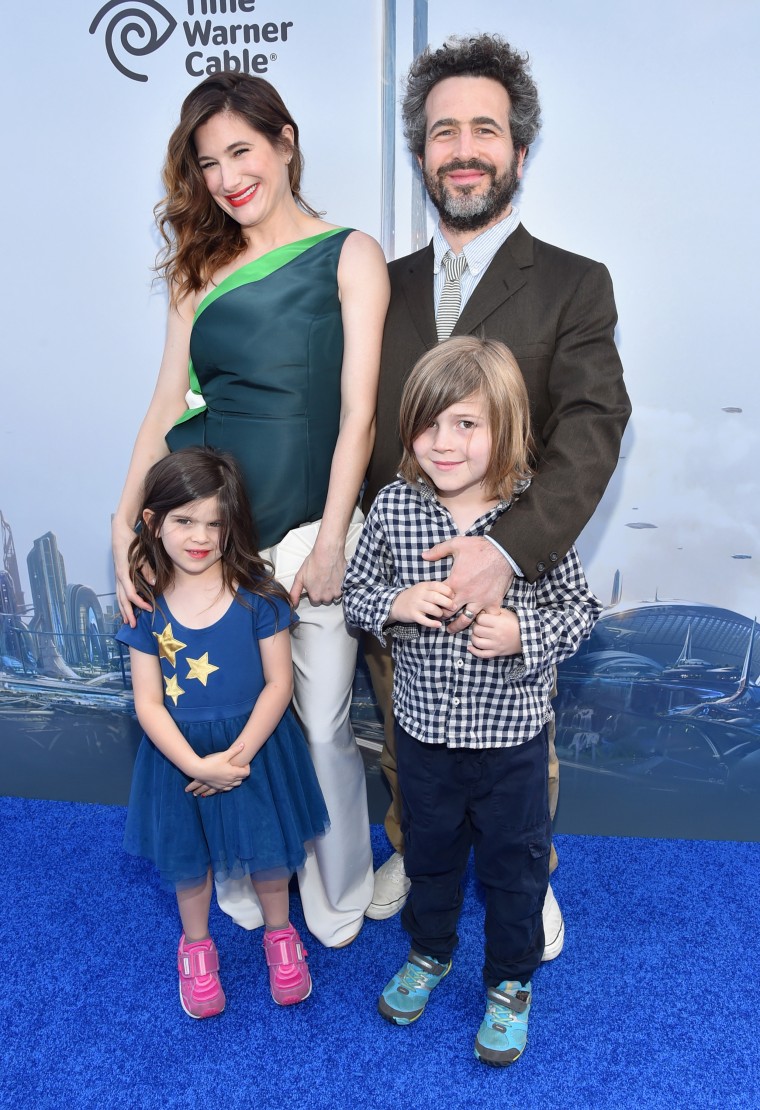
[470,707]
[223,782]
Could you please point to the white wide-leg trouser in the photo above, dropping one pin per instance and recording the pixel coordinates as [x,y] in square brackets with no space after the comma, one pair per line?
[336,881]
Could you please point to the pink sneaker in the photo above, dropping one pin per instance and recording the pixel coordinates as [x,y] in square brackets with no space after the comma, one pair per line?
[289,979]
[200,991]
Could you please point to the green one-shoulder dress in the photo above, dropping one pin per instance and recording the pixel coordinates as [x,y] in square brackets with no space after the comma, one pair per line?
[266,354]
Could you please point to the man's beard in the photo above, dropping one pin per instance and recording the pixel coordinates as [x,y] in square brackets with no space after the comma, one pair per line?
[464,210]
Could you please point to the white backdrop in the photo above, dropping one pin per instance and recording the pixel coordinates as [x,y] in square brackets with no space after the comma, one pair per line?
[646,161]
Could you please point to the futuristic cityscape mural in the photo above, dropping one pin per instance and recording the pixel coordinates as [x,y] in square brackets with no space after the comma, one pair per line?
[658,719]
[658,715]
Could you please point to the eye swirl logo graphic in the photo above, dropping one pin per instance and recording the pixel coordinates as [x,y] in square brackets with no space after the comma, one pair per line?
[135,30]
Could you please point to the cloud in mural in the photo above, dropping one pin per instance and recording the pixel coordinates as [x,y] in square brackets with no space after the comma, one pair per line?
[134,31]
[692,479]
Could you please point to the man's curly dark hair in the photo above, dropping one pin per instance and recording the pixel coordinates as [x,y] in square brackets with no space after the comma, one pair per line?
[482,56]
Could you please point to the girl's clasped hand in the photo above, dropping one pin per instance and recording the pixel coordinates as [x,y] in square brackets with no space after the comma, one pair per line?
[219,773]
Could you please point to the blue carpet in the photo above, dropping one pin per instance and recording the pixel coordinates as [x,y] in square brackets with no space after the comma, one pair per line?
[653,1003]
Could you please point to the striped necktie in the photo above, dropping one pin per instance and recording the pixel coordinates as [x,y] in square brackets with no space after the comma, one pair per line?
[451,294]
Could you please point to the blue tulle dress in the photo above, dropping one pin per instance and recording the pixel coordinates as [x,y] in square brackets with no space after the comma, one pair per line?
[212,677]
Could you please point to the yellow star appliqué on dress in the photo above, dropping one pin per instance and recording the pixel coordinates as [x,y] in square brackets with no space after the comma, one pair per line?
[200,668]
[168,646]
[173,688]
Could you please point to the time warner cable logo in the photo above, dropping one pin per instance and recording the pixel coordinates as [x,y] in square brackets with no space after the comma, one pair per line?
[135,28]
[135,31]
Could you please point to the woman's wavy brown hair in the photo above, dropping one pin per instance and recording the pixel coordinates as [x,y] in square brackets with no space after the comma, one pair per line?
[199,238]
[193,474]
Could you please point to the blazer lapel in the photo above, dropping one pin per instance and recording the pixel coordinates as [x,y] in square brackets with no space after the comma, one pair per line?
[417,286]
[504,276]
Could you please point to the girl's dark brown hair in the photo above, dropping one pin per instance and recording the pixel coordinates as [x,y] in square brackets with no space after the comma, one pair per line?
[200,238]
[193,474]
[454,370]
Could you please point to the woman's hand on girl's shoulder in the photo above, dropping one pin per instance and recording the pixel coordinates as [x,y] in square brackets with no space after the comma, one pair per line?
[127,596]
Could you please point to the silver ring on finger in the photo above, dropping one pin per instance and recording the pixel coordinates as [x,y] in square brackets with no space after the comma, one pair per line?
[469,614]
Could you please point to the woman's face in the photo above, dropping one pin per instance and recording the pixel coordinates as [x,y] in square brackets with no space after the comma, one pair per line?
[245,174]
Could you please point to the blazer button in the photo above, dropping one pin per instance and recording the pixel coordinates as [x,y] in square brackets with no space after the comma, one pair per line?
[540,567]
[553,556]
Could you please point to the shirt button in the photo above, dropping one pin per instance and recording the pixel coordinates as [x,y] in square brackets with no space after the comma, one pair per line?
[455,701]
[460,662]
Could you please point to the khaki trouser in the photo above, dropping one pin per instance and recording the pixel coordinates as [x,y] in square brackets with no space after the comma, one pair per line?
[380,665]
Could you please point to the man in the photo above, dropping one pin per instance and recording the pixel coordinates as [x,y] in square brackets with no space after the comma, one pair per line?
[471,112]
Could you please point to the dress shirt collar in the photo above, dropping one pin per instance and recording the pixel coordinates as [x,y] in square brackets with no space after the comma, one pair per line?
[479,251]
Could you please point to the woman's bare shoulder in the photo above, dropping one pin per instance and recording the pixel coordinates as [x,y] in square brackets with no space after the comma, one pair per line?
[362,251]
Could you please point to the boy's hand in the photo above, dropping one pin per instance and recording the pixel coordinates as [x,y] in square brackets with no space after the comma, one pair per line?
[495,632]
[423,604]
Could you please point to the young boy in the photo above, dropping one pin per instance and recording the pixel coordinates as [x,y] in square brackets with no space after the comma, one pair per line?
[470,708]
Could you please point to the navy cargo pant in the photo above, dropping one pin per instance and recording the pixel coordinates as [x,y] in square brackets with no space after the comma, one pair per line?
[494,800]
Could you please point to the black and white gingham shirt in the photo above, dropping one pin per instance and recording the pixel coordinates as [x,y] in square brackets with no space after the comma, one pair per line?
[441,693]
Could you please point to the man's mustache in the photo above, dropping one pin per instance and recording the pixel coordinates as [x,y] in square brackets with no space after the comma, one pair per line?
[472,164]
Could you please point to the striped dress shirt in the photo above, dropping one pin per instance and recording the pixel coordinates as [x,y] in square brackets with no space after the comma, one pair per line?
[479,252]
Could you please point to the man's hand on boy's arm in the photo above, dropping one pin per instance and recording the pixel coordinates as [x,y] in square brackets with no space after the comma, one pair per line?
[495,632]
[479,578]
[425,604]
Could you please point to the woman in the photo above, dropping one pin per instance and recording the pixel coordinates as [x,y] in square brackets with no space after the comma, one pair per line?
[279,316]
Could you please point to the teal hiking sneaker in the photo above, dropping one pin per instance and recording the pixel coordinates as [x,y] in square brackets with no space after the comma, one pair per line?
[502,1036]
[406,996]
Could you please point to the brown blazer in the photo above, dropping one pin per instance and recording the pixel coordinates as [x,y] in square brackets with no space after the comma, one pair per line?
[556,312]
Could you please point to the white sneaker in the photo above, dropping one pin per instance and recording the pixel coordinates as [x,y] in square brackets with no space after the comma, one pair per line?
[391,889]
[554,927]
